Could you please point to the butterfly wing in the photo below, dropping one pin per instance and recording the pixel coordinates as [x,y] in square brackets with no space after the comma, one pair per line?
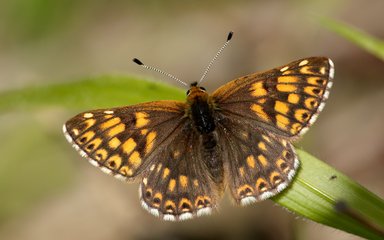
[179,186]
[284,100]
[258,164]
[121,140]
[260,115]
[153,141]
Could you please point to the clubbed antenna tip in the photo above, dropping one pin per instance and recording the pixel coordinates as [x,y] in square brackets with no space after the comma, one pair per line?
[230,34]
[137,61]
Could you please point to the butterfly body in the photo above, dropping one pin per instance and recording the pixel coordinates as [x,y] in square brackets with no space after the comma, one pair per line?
[186,153]
[200,108]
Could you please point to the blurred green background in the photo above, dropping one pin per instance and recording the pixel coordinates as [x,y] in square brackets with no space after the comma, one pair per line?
[48,192]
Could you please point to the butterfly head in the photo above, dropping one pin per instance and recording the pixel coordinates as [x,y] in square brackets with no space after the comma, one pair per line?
[195,92]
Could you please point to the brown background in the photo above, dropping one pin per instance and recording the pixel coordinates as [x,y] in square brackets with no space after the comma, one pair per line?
[44,41]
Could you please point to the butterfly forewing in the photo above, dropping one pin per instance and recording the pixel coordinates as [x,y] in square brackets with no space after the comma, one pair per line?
[284,100]
[123,141]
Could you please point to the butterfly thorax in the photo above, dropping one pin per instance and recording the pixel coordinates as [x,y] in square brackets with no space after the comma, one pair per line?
[200,109]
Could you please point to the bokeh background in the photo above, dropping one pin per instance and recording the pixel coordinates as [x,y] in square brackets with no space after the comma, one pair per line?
[48,192]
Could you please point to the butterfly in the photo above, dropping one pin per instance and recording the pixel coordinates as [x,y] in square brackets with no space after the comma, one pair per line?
[185,154]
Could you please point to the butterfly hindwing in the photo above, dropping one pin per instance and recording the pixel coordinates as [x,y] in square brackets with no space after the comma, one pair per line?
[284,100]
[178,185]
[123,141]
[258,164]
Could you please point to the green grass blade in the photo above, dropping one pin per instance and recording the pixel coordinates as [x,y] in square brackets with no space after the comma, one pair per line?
[316,190]
[313,193]
[101,92]
[365,41]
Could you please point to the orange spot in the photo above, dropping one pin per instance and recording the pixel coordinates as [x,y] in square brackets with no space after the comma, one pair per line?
[244,190]
[111,122]
[126,171]
[262,146]
[85,137]
[282,121]
[92,145]
[293,98]
[313,91]
[251,161]
[260,112]
[150,141]
[196,182]
[261,185]
[281,107]
[170,206]
[141,119]
[135,159]
[258,90]
[144,131]
[282,165]
[316,81]
[262,160]
[128,146]
[159,197]
[287,79]
[114,143]
[306,70]
[116,130]
[302,115]
[311,103]
[171,185]
[272,177]
[89,123]
[165,172]
[100,154]
[183,181]
[261,100]
[286,87]
[114,162]
[183,202]
[295,128]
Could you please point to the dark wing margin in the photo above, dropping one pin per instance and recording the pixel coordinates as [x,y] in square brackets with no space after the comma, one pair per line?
[285,100]
[123,141]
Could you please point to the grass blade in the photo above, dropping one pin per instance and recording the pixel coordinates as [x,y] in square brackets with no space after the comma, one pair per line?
[365,41]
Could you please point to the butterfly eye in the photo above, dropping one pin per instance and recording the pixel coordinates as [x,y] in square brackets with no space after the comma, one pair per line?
[202,88]
[189,91]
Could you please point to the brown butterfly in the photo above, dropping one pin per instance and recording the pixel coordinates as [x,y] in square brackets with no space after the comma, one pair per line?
[186,153]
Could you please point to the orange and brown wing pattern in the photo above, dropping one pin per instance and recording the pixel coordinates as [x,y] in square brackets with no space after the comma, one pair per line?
[178,186]
[121,141]
[258,165]
[284,100]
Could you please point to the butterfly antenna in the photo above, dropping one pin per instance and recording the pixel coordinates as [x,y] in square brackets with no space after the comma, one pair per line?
[229,37]
[137,61]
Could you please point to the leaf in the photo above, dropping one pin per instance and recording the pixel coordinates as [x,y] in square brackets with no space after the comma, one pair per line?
[314,193]
[317,191]
[101,92]
[365,41]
